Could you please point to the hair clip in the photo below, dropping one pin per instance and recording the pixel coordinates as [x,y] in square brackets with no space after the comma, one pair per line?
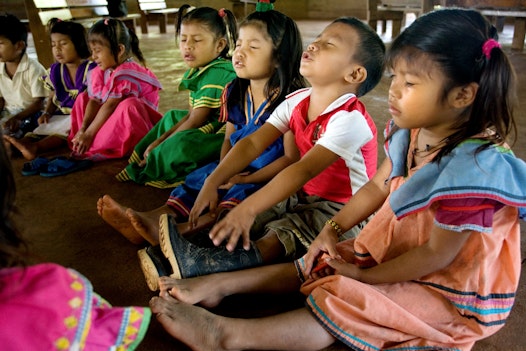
[222,13]
[489,45]
[264,5]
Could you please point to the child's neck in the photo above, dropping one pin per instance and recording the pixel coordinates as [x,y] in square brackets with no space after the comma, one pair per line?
[321,98]
[11,67]
[257,92]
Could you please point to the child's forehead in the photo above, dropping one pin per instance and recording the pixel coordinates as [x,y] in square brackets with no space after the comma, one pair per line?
[195,27]
[341,31]
[97,39]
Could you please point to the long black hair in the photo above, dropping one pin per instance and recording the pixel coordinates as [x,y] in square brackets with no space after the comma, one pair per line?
[112,32]
[453,40]
[287,51]
[75,31]
[220,22]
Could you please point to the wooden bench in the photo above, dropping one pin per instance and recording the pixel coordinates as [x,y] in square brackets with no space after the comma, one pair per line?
[157,11]
[241,8]
[39,12]
[519,16]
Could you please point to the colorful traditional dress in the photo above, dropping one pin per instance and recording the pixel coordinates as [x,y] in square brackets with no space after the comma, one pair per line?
[246,121]
[133,117]
[66,91]
[449,309]
[49,307]
[169,163]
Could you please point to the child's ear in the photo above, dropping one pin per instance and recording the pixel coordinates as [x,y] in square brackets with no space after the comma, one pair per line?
[20,45]
[122,52]
[463,96]
[357,75]
[221,45]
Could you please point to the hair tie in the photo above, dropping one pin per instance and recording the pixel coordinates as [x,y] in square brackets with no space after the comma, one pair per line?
[264,5]
[222,13]
[489,45]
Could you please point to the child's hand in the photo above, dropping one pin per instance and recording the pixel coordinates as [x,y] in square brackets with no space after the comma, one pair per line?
[236,224]
[207,197]
[147,152]
[237,179]
[325,243]
[44,118]
[82,142]
[12,125]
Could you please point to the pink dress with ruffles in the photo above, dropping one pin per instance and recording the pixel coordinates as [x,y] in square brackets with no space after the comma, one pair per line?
[133,117]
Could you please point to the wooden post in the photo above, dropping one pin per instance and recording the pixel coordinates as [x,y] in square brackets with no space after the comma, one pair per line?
[40,35]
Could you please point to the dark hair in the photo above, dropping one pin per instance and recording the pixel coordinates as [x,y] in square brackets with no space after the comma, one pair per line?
[369,53]
[287,51]
[220,22]
[114,33]
[13,248]
[13,29]
[75,31]
[453,39]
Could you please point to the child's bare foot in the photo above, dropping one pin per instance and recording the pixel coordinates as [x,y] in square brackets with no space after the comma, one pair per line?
[27,149]
[179,320]
[115,215]
[199,290]
[146,224]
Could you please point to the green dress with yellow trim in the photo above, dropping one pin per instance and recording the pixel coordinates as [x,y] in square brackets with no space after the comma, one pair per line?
[169,163]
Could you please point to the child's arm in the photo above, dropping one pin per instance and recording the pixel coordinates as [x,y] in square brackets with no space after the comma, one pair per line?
[35,106]
[361,205]
[94,118]
[291,155]
[227,145]
[238,221]
[245,151]
[49,109]
[436,254]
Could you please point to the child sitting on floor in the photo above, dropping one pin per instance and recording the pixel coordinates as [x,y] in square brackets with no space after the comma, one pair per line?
[21,93]
[187,139]
[119,106]
[337,141]
[65,80]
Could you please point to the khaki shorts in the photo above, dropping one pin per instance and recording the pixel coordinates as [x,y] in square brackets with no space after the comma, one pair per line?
[297,221]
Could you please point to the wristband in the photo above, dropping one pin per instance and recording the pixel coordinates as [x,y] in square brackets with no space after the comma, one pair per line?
[335,226]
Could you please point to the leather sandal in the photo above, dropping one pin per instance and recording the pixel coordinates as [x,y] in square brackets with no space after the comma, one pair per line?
[189,260]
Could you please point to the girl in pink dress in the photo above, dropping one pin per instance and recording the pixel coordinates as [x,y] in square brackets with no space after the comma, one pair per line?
[49,307]
[120,105]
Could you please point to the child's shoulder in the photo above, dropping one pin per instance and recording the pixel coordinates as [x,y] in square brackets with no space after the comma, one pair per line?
[298,95]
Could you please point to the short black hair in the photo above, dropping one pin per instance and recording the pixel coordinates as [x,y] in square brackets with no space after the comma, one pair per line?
[12,28]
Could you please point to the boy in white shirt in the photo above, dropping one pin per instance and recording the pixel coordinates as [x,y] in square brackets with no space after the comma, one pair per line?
[21,93]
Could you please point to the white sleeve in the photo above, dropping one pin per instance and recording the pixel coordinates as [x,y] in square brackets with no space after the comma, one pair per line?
[346,133]
[280,117]
[36,70]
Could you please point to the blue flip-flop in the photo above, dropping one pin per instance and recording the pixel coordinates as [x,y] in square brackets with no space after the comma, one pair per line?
[63,165]
[35,166]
